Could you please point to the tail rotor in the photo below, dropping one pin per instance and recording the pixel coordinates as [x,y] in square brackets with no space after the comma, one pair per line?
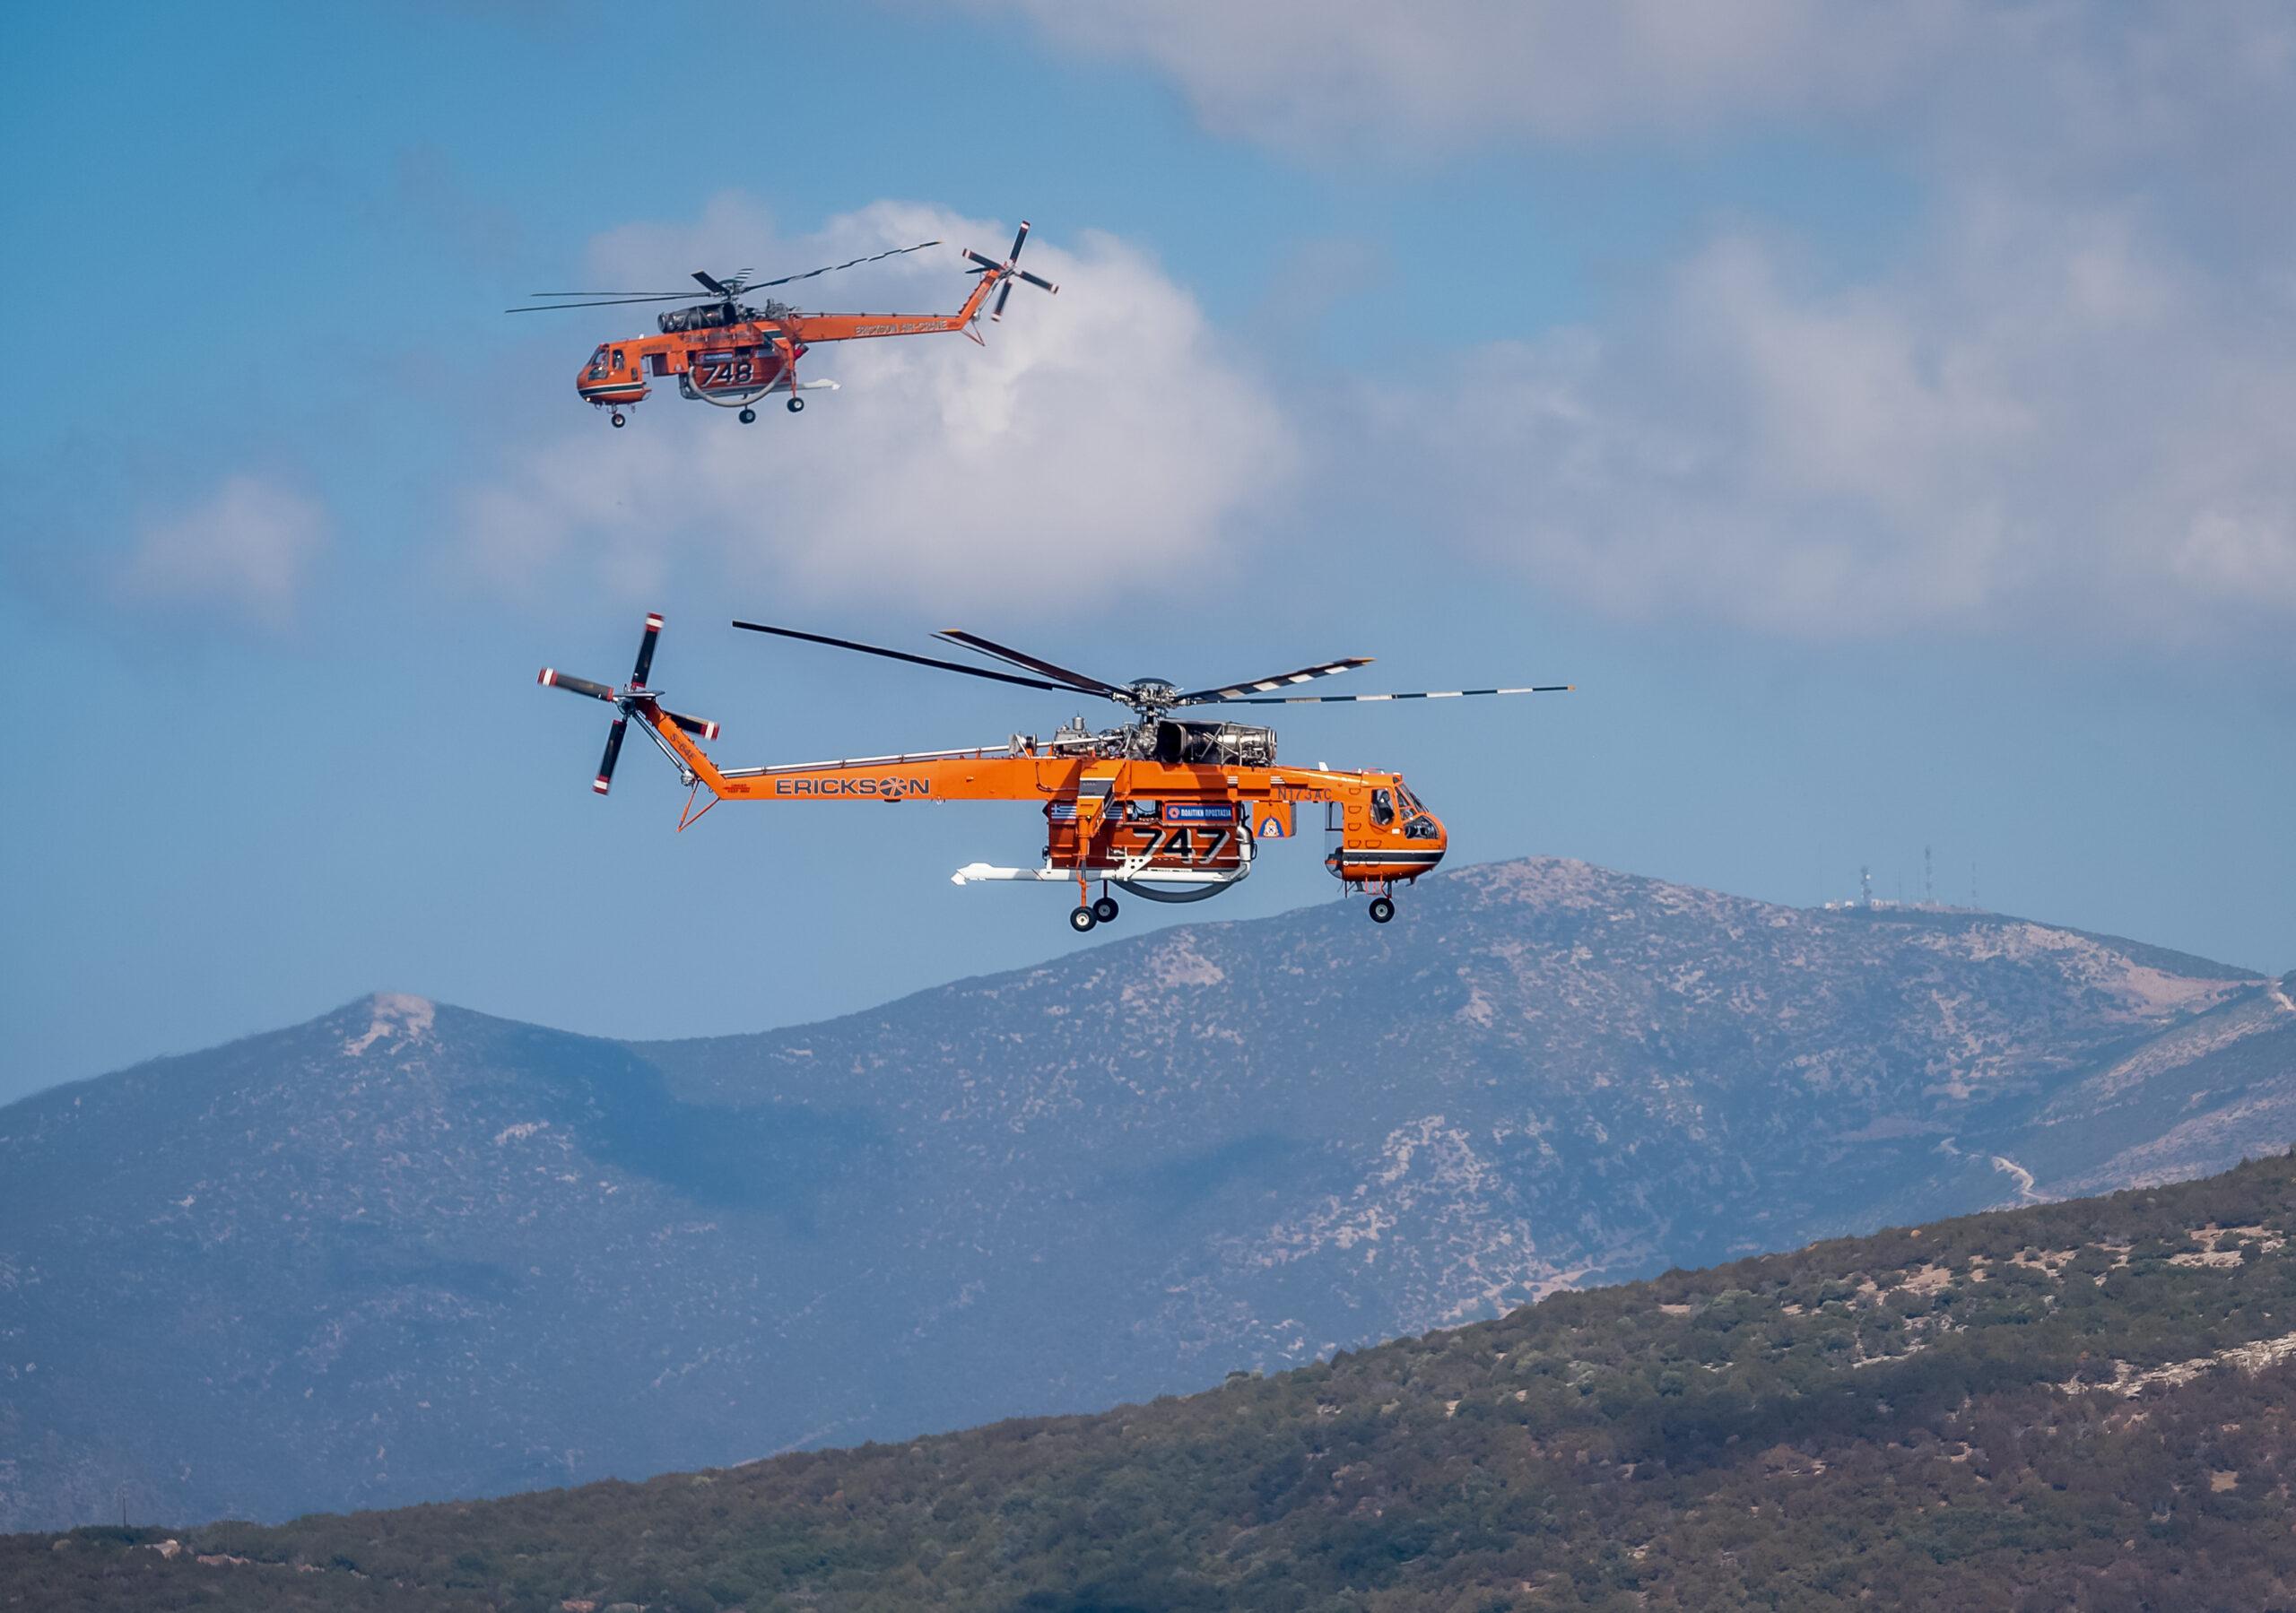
[633,699]
[1009,270]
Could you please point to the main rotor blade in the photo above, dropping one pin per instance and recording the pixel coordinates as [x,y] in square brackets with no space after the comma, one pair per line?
[973,641]
[610,302]
[604,780]
[550,677]
[1424,694]
[646,651]
[609,293]
[833,268]
[740,286]
[871,649]
[1324,669]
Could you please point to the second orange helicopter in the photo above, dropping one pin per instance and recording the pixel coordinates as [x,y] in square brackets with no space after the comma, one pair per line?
[730,353]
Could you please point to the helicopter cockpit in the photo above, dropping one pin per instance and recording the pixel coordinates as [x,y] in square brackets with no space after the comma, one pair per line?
[1418,824]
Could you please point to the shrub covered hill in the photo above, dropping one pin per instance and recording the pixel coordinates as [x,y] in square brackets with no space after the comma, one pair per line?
[2085,1404]
[407,1252]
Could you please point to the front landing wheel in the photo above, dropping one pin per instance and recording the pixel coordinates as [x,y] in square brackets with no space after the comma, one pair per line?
[1104,911]
[1082,920]
[796,405]
[620,420]
[748,417]
[1382,910]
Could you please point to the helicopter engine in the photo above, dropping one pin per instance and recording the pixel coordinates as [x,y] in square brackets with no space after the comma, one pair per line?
[1214,744]
[703,316]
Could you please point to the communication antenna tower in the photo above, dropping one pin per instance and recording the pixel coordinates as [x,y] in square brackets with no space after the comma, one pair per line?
[1928,880]
[1864,886]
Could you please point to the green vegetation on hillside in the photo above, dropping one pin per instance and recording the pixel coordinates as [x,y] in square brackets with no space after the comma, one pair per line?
[2075,1404]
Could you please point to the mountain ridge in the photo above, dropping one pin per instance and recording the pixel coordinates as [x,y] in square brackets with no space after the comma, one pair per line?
[426,1250]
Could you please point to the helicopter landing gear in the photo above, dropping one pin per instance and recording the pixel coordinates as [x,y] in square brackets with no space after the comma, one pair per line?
[1082,920]
[619,419]
[1104,911]
[796,405]
[1382,910]
[748,417]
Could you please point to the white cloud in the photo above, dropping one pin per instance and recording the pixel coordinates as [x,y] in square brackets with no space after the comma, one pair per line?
[2062,408]
[2049,423]
[1363,77]
[248,549]
[1103,437]
[1308,74]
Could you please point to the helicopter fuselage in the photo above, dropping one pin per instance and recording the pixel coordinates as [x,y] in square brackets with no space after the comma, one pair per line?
[1114,811]
[732,354]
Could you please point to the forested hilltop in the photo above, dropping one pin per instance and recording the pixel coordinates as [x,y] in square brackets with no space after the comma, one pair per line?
[2085,1404]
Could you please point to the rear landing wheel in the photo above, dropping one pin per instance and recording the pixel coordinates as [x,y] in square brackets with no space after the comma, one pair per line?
[1382,910]
[1104,911]
[748,417]
[620,420]
[796,405]
[1082,920]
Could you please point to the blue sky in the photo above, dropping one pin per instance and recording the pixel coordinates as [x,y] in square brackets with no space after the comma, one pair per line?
[1886,432]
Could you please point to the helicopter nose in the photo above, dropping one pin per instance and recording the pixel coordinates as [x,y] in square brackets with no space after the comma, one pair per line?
[1427,834]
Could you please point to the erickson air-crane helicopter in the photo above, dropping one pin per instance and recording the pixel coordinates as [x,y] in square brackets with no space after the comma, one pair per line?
[726,352]
[1166,809]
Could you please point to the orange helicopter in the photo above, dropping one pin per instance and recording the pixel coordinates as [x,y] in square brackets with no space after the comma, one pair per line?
[1165,809]
[729,353]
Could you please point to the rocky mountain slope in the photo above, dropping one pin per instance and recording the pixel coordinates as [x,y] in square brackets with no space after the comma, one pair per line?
[2089,1404]
[407,1251]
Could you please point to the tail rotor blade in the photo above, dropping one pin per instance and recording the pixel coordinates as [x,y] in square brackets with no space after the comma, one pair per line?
[646,651]
[986,262]
[1018,241]
[1004,293]
[550,677]
[604,781]
[702,728]
[1041,284]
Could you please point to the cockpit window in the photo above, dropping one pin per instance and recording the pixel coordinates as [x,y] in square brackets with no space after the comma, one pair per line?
[1383,807]
[598,363]
[1420,827]
[1410,801]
